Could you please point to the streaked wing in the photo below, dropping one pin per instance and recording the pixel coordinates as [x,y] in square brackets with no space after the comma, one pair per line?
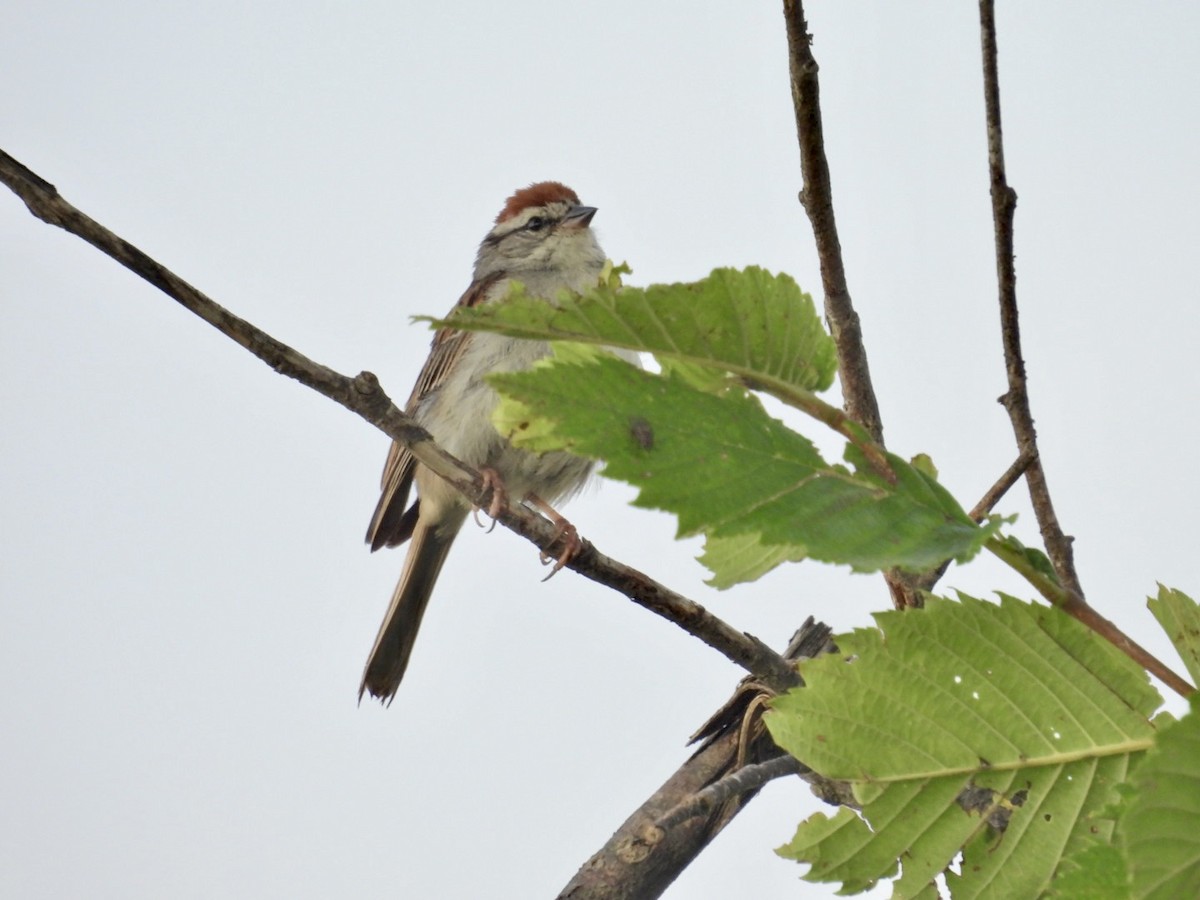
[392,523]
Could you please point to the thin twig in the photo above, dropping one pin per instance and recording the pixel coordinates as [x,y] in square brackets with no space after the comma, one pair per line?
[363,395]
[742,781]
[817,199]
[1016,399]
[924,581]
[858,394]
[988,501]
[1067,593]
[1071,603]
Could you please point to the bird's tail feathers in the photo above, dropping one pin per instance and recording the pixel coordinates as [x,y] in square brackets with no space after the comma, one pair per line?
[398,632]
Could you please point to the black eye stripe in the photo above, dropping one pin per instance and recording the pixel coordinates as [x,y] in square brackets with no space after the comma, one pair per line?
[543,222]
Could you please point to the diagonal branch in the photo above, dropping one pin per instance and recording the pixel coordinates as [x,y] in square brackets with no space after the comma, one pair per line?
[669,853]
[1001,487]
[668,831]
[362,395]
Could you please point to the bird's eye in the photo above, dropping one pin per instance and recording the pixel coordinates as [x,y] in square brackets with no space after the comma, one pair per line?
[537,223]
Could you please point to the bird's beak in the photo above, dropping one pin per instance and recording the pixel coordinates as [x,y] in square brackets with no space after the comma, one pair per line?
[578,217]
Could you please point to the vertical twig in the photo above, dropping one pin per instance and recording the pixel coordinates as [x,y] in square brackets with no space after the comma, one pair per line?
[817,200]
[858,394]
[1016,398]
[1067,594]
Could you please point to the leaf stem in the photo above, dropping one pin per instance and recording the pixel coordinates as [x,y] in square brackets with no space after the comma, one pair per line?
[829,415]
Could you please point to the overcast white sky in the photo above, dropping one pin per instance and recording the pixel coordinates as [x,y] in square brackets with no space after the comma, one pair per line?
[185,601]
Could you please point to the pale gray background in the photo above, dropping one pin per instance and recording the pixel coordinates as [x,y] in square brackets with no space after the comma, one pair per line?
[185,601]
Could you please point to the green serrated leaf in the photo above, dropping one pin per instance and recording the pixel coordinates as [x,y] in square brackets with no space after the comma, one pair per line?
[923,463]
[1179,616]
[1038,560]
[1158,830]
[834,847]
[1097,873]
[926,524]
[750,322]
[1061,813]
[727,469]
[521,423]
[929,892]
[741,558]
[1106,663]
[701,377]
[1001,730]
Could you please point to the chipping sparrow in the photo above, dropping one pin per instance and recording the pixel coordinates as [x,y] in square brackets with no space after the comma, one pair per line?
[541,238]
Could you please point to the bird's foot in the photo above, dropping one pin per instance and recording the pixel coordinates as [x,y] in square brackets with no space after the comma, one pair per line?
[564,532]
[492,479]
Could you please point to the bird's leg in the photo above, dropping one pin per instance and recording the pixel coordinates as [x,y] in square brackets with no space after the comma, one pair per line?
[492,479]
[564,531]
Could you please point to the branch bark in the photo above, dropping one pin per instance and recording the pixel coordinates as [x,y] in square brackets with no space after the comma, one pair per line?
[636,863]
[668,831]
[641,860]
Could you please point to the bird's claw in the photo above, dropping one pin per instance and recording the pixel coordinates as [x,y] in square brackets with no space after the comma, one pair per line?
[572,544]
[565,532]
[492,479]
